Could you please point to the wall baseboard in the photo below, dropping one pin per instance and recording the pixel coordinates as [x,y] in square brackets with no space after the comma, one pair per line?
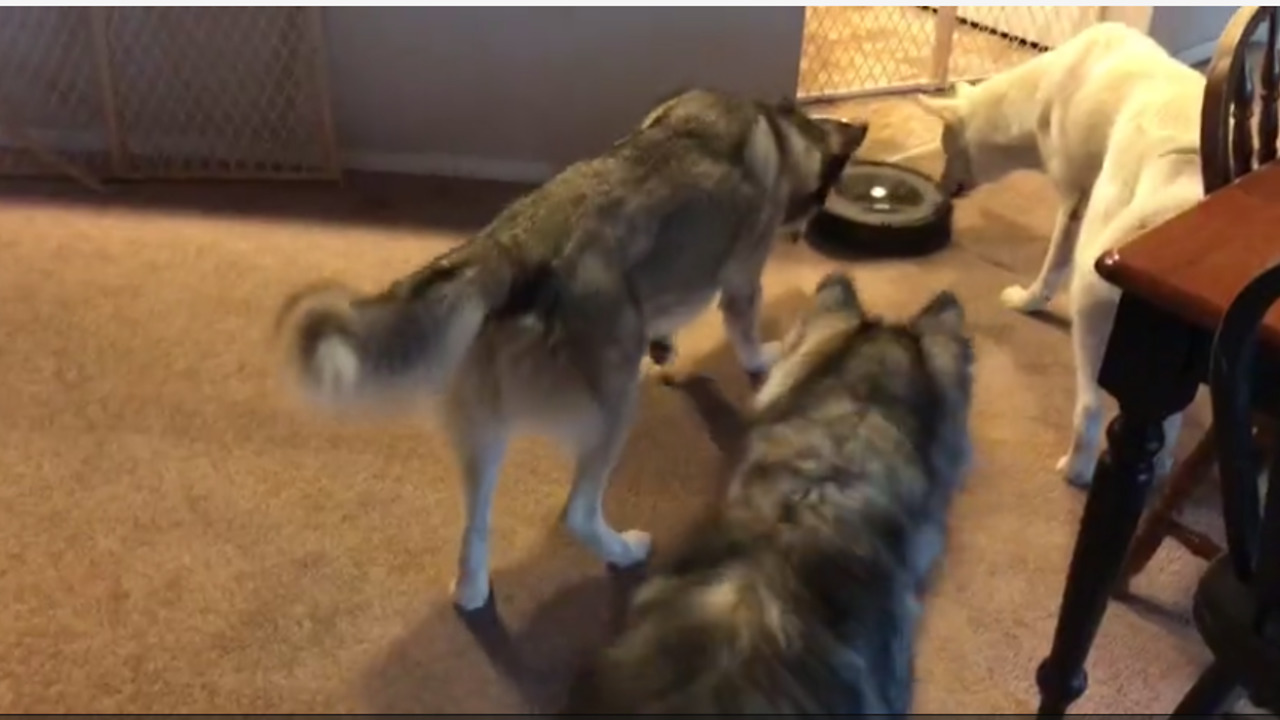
[440,164]
[446,165]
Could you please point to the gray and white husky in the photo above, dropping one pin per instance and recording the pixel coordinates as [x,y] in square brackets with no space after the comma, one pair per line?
[540,323]
[801,593]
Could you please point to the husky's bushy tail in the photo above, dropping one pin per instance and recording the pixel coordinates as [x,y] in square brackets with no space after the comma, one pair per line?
[346,348]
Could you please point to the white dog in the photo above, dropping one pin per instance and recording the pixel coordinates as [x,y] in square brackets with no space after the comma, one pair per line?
[1114,121]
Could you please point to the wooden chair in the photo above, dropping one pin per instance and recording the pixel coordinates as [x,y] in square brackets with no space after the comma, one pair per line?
[1227,151]
[1236,607]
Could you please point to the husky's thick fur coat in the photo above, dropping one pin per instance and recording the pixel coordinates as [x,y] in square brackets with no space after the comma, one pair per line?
[1114,121]
[801,593]
[541,321]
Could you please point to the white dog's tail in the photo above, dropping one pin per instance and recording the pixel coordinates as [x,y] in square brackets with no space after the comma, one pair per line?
[345,348]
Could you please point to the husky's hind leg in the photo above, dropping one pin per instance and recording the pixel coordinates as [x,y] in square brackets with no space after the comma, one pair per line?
[598,453]
[480,450]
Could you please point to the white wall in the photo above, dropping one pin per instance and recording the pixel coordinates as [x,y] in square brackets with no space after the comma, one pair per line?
[515,92]
[1190,32]
[497,92]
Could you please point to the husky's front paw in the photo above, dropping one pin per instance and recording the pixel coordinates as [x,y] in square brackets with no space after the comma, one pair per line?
[1077,471]
[1016,297]
[758,373]
[471,594]
[633,548]
[771,352]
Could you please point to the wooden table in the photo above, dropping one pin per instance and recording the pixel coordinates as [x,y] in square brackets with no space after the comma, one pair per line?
[1177,281]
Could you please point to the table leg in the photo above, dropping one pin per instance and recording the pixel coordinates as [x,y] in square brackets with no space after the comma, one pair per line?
[1192,473]
[1111,515]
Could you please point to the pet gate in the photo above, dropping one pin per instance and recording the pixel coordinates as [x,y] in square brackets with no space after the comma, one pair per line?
[165,93]
[857,51]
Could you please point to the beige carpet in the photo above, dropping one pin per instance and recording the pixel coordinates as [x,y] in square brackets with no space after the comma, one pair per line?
[175,536]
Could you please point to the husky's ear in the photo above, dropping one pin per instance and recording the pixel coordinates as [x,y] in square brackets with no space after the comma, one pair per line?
[661,110]
[835,293]
[946,109]
[943,314]
[844,138]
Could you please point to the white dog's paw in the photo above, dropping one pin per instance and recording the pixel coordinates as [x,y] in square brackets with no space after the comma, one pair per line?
[632,549]
[1016,297]
[1077,471]
[470,594]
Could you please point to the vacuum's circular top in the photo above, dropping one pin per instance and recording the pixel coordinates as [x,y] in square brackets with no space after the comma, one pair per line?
[883,209]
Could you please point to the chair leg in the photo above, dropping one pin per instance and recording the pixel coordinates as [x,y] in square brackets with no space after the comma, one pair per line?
[1190,474]
[1210,693]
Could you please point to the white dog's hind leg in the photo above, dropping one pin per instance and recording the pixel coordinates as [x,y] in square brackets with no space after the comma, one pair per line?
[480,451]
[1056,265]
[584,512]
[1093,311]
[1165,459]
[1163,191]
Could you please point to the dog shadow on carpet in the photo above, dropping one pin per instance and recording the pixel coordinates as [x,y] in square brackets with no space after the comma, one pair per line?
[519,653]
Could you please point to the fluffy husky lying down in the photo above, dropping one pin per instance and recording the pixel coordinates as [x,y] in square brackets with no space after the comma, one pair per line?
[802,592]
